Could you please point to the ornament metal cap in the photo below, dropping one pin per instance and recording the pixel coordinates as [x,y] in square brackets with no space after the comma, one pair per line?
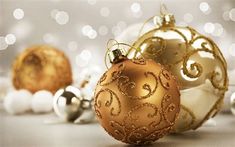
[167,19]
[116,56]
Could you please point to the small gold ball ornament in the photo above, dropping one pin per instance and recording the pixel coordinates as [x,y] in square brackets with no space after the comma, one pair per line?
[197,63]
[41,67]
[136,101]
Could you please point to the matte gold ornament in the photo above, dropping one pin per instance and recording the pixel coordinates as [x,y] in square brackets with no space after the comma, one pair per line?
[136,101]
[41,67]
[197,63]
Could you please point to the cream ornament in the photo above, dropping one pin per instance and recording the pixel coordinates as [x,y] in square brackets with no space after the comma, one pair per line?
[193,59]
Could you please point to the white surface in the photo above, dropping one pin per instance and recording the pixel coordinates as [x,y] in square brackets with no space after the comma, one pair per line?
[29,130]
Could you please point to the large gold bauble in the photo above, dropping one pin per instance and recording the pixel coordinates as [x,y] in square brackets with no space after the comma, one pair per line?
[193,59]
[41,67]
[137,101]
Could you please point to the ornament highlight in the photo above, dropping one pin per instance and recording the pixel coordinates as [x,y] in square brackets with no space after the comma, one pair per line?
[193,59]
[70,106]
[41,67]
[136,101]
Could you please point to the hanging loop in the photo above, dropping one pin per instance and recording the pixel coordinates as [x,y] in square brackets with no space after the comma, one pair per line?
[113,45]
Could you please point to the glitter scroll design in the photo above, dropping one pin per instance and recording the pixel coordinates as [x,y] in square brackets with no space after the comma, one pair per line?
[114,111]
[188,58]
[117,88]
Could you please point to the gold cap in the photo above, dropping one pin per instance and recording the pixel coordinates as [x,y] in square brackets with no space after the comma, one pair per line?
[168,20]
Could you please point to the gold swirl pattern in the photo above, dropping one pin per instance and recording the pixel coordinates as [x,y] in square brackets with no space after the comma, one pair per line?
[125,86]
[164,79]
[131,105]
[108,103]
[155,47]
[114,75]
[192,57]
[140,61]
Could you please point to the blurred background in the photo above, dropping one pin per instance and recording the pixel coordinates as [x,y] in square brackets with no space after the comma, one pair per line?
[81,28]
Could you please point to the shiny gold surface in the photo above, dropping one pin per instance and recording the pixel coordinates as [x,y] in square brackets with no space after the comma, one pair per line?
[41,67]
[191,57]
[137,101]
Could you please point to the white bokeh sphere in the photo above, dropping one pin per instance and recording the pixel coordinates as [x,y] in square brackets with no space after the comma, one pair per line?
[18,102]
[42,101]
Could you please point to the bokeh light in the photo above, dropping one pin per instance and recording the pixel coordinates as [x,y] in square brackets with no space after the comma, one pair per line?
[62,17]
[10,39]
[204,7]
[218,30]
[209,27]
[104,12]
[135,7]
[83,58]
[50,39]
[22,29]
[188,17]
[72,45]
[86,29]
[92,34]
[3,43]
[18,14]
[103,30]
[232,14]
[86,55]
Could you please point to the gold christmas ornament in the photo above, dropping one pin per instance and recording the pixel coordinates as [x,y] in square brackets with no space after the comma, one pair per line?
[41,67]
[70,106]
[136,101]
[197,63]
